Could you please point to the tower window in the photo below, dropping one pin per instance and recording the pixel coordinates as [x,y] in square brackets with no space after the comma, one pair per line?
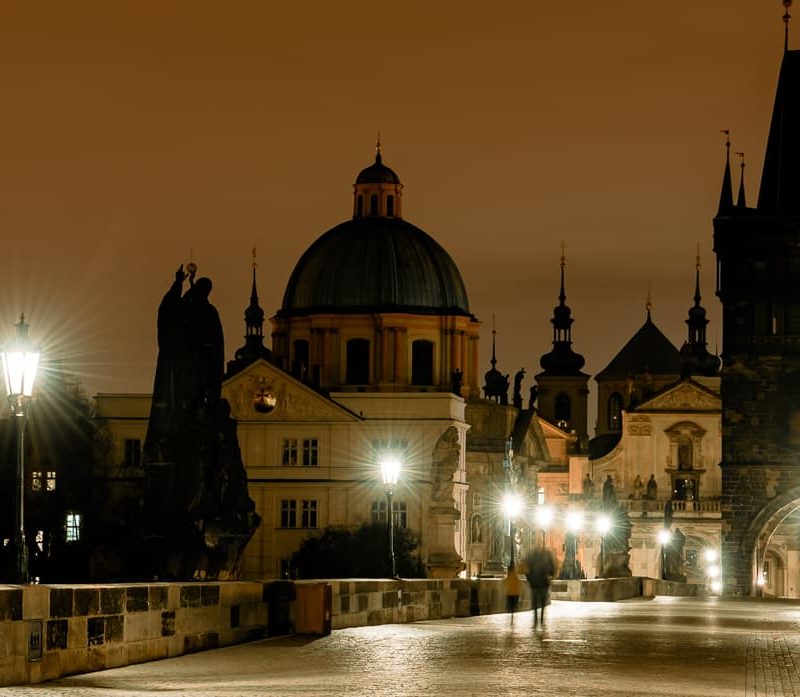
[390,205]
[615,412]
[357,362]
[563,411]
[373,204]
[300,362]
[422,362]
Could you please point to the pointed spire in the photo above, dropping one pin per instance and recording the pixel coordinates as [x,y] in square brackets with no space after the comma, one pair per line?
[562,296]
[253,348]
[494,353]
[697,278]
[726,194]
[695,358]
[649,303]
[254,292]
[786,18]
[378,157]
[741,202]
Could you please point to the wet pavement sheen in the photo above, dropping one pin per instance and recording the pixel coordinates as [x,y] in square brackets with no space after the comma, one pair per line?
[642,648]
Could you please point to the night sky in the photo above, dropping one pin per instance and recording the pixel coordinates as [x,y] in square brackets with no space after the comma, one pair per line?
[132,133]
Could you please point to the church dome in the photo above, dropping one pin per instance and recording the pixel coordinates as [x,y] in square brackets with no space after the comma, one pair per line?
[377,173]
[375,264]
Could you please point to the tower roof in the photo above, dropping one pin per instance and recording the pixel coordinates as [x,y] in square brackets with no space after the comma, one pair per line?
[780,180]
[648,351]
[562,360]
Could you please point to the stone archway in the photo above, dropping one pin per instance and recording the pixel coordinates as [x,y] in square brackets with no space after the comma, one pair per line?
[756,539]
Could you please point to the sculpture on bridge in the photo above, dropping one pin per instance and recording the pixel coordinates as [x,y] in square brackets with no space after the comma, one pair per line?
[198,516]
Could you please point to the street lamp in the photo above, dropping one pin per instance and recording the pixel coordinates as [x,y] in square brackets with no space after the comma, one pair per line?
[603,525]
[544,519]
[20,362]
[664,538]
[512,505]
[391,464]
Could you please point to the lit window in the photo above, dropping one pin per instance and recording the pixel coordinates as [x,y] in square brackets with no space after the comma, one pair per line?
[51,481]
[309,515]
[36,481]
[40,540]
[133,452]
[540,496]
[310,452]
[288,513]
[73,527]
[289,456]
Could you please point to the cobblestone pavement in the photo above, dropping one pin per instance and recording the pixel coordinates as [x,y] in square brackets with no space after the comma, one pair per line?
[663,647]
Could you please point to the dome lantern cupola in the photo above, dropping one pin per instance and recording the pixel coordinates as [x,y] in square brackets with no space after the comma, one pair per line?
[562,360]
[377,191]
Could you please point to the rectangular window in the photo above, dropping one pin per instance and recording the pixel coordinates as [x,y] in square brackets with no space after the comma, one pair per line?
[289,450]
[288,513]
[133,452]
[399,509]
[36,481]
[73,527]
[310,452]
[50,483]
[540,496]
[378,512]
[309,514]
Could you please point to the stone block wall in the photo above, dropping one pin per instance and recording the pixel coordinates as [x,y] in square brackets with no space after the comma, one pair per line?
[50,631]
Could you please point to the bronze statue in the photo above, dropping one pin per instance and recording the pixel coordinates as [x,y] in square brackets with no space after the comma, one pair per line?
[198,514]
[518,388]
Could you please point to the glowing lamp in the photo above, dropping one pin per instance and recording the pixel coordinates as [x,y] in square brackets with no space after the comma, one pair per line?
[574,521]
[20,363]
[603,524]
[544,516]
[512,505]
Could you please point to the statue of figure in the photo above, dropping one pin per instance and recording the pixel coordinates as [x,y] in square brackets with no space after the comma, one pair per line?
[533,395]
[456,380]
[616,545]
[446,455]
[518,388]
[198,514]
[667,515]
[504,390]
[651,493]
[638,487]
[587,486]
[609,497]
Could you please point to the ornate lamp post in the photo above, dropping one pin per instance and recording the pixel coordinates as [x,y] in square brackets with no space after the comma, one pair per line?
[544,519]
[20,362]
[603,525]
[391,464]
[664,538]
[512,505]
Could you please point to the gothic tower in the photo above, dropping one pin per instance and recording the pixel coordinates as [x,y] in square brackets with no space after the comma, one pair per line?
[758,264]
[563,392]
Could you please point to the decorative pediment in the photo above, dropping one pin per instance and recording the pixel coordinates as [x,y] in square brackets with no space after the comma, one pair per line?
[264,392]
[686,396]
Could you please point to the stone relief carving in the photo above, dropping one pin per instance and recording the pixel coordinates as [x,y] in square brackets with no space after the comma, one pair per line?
[639,425]
[685,398]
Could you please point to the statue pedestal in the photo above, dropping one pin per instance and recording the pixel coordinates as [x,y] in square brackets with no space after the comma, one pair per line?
[443,561]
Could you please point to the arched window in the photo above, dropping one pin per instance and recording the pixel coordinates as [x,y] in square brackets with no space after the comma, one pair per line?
[357,362]
[422,362]
[300,361]
[563,411]
[373,204]
[359,206]
[685,454]
[476,528]
[390,205]
[615,412]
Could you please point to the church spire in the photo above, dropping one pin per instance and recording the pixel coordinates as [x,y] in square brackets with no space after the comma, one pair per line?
[786,18]
[253,348]
[726,194]
[562,360]
[496,387]
[741,201]
[695,358]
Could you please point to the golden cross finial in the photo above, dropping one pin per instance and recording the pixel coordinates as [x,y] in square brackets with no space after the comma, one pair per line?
[378,144]
[697,258]
[563,254]
[254,255]
[649,304]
